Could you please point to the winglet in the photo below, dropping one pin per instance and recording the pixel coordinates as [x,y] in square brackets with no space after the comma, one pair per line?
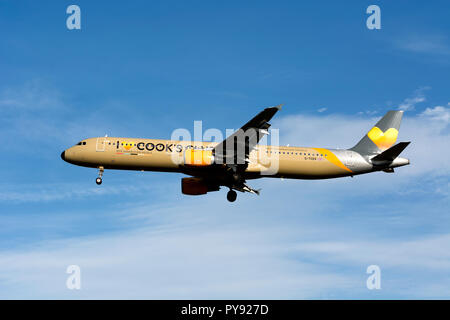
[279,106]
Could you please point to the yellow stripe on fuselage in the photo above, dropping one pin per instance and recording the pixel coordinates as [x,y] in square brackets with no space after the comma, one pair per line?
[330,156]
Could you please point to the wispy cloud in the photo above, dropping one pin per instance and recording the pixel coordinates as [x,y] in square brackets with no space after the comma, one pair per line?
[425,44]
[439,113]
[424,252]
[427,131]
[410,103]
[368,112]
[40,115]
[65,191]
[33,95]
[254,250]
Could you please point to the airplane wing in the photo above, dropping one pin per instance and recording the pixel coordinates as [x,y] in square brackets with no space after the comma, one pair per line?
[234,151]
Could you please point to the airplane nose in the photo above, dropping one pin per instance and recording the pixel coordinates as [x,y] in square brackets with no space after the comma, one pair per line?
[63,155]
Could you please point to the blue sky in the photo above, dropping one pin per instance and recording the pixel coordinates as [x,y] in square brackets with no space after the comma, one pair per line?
[143,69]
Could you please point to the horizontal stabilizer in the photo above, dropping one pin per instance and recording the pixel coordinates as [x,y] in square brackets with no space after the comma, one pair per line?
[390,154]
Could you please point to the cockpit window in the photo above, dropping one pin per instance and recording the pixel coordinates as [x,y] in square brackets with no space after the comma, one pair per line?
[79,143]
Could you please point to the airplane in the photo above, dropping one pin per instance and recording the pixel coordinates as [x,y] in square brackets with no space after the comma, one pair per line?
[239,157]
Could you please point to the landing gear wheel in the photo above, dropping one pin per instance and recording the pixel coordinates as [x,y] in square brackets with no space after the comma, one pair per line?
[100,175]
[231,196]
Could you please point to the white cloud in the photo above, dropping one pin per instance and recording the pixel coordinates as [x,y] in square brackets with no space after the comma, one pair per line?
[33,95]
[64,191]
[36,112]
[425,44]
[166,263]
[410,103]
[439,113]
[320,110]
[422,253]
[330,130]
[205,248]
[427,133]
[368,112]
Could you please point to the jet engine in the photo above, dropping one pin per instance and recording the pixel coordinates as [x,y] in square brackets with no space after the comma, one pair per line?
[196,186]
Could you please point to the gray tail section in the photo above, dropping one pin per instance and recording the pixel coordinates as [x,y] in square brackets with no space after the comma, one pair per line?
[382,136]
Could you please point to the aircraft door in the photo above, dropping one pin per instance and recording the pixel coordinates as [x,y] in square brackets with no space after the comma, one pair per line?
[101,144]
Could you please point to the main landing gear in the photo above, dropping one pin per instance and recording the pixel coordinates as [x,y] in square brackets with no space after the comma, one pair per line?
[100,175]
[231,195]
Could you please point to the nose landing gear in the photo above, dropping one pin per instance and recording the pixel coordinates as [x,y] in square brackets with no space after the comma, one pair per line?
[231,196]
[100,175]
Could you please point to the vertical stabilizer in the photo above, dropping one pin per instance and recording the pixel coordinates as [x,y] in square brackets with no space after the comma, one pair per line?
[382,136]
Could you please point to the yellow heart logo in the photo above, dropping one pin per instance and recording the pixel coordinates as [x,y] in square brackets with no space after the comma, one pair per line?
[127,145]
[383,140]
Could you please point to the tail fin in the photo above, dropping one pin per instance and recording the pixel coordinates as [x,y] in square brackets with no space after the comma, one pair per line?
[382,136]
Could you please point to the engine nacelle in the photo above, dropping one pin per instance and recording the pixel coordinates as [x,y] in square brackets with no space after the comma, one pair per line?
[196,186]
[198,158]
[193,186]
